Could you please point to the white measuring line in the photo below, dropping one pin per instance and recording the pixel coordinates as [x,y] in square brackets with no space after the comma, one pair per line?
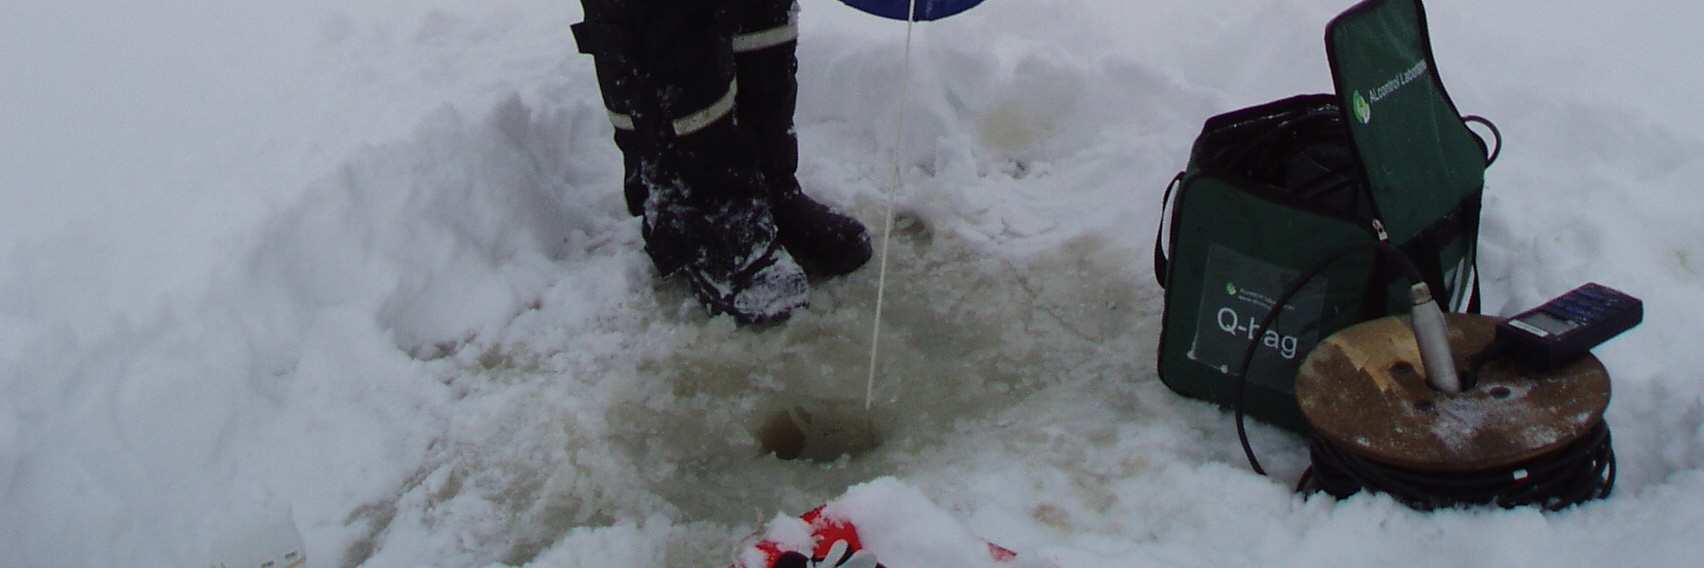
[894,188]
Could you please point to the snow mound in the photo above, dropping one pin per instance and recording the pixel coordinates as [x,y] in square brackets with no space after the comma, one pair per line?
[451,233]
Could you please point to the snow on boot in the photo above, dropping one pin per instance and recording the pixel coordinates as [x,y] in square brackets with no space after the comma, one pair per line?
[825,242]
[727,250]
[666,74]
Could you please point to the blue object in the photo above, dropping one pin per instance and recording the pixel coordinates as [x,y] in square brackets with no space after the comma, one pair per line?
[926,9]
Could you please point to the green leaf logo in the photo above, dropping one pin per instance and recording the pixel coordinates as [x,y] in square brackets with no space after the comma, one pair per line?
[1363,109]
[1230,288]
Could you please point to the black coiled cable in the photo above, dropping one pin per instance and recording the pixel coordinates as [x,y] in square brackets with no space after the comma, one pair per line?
[1583,471]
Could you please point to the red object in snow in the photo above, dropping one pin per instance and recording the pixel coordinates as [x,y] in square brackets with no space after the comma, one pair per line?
[826,532]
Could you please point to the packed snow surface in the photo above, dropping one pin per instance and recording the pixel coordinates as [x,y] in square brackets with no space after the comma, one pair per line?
[365,267]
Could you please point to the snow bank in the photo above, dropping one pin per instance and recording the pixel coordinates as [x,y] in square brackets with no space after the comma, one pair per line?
[368,265]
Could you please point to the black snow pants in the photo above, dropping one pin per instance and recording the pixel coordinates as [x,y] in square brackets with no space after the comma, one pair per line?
[672,68]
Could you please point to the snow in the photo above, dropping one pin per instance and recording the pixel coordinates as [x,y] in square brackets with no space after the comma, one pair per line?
[890,516]
[367,264]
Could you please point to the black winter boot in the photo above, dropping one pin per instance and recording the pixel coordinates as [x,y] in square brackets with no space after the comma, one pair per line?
[666,74]
[708,216]
[825,242]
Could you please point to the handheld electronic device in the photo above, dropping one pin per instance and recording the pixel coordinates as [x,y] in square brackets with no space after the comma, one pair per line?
[1566,328]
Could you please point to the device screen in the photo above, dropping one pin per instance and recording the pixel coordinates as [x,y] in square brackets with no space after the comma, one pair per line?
[1545,324]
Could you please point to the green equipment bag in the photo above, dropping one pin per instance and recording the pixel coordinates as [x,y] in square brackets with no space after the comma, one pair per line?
[1273,190]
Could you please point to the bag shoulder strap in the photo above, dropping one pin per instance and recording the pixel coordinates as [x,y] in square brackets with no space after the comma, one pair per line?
[1491,152]
[1162,264]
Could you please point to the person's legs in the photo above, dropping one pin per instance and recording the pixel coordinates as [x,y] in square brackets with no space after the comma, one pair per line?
[667,77]
[766,60]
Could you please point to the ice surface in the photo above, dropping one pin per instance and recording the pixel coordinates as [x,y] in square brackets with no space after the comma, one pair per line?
[371,261]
